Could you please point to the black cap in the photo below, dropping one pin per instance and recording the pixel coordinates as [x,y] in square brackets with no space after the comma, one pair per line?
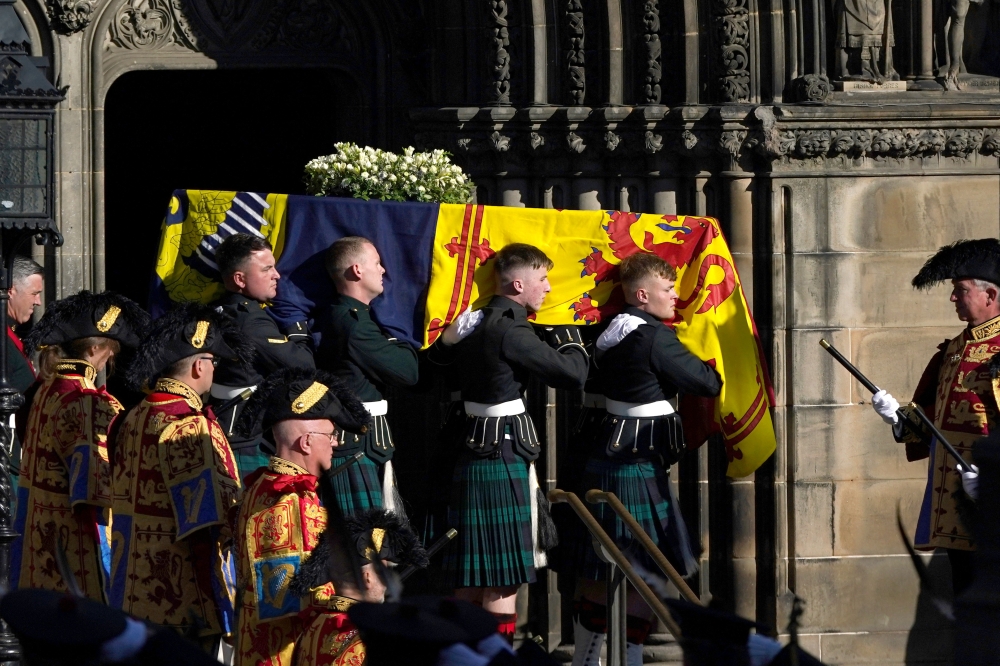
[967,259]
[295,393]
[376,534]
[404,633]
[710,635]
[188,329]
[86,314]
[55,625]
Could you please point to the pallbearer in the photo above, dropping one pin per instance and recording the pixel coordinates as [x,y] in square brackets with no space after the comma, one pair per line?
[281,518]
[248,272]
[958,392]
[493,503]
[64,496]
[176,483]
[641,368]
[357,351]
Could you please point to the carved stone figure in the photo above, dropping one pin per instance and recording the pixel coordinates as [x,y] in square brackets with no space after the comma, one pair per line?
[865,40]
[949,40]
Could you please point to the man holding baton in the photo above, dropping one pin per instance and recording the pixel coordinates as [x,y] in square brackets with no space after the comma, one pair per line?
[959,395]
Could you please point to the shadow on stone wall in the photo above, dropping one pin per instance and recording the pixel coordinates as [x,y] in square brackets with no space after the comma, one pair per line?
[931,636]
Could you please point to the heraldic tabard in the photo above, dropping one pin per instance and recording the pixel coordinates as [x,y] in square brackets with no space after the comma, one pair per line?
[280,522]
[64,497]
[175,486]
[958,393]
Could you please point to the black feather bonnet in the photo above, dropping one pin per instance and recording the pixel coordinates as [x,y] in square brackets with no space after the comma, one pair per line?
[86,314]
[188,329]
[296,393]
[376,534]
[967,259]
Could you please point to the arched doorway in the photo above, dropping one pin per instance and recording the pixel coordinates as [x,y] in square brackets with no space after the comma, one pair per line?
[249,129]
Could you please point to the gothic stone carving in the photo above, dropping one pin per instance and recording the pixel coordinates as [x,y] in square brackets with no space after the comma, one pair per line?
[577,79]
[69,16]
[732,29]
[500,57]
[651,39]
[875,143]
[812,88]
[865,40]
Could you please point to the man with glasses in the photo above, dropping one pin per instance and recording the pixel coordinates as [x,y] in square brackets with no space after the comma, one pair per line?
[174,482]
[247,265]
[281,517]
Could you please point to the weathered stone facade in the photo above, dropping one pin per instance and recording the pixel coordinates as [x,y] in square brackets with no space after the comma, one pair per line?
[831,201]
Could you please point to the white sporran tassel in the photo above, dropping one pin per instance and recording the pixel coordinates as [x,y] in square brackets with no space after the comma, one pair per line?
[391,499]
[541,559]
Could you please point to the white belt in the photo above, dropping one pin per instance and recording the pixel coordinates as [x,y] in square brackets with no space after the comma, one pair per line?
[594,400]
[223,392]
[643,410]
[377,408]
[509,408]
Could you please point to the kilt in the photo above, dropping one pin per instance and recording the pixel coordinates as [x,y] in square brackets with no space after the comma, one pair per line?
[249,459]
[490,510]
[359,488]
[644,490]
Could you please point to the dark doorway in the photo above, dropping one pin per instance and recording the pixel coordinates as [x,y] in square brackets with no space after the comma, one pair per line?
[249,130]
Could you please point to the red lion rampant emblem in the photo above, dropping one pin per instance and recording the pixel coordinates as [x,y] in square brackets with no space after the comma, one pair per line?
[694,237]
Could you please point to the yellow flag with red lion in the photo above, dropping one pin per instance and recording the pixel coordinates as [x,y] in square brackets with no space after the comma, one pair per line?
[713,319]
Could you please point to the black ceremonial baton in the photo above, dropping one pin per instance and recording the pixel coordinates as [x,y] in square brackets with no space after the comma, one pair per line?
[916,408]
[431,552]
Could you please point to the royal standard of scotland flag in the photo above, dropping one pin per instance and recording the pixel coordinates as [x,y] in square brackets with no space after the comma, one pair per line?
[437,259]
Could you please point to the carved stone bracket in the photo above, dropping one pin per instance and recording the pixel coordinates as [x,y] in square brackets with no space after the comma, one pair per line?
[812,88]
[69,16]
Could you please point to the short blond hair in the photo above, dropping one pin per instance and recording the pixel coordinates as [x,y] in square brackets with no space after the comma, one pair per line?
[636,268]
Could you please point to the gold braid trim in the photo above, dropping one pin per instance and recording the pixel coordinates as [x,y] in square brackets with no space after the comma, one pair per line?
[914,430]
[377,537]
[200,334]
[282,466]
[986,330]
[308,398]
[77,366]
[176,387]
[108,320]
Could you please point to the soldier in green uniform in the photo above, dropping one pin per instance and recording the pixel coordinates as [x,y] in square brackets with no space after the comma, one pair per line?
[356,350]
[248,272]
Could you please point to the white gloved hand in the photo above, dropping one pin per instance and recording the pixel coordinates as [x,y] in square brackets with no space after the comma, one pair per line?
[463,325]
[886,406]
[970,481]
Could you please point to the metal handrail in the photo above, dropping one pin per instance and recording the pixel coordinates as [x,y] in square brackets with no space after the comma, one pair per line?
[595,496]
[620,560]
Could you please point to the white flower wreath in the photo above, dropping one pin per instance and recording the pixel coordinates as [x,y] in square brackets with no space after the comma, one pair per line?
[370,173]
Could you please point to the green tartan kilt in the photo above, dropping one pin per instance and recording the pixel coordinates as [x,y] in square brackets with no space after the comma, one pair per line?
[490,510]
[643,489]
[360,487]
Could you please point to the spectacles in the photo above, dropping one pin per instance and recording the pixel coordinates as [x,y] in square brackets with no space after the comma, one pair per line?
[214,360]
[332,436]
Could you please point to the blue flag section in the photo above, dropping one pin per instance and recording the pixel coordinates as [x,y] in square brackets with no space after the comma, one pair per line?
[402,234]
[300,229]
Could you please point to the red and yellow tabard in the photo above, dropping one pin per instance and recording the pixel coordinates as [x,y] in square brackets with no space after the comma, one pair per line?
[64,493]
[175,493]
[329,637]
[964,410]
[279,524]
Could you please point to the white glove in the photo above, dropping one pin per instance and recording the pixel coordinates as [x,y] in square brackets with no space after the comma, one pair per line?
[970,481]
[463,325]
[886,406]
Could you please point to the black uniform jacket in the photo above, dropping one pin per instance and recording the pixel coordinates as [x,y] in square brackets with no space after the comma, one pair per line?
[274,352]
[651,364]
[497,358]
[648,365]
[355,349]
[493,365]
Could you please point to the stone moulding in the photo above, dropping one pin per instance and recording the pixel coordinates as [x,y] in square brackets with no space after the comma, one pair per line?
[758,141]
